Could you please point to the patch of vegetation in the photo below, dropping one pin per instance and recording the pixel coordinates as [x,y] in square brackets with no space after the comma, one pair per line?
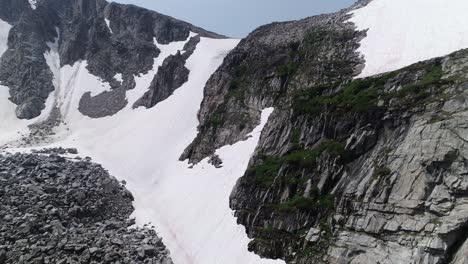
[440,117]
[306,204]
[436,221]
[359,95]
[240,71]
[296,138]
[422,91]
[270,232]
[292,179]
[432,75]
[265,173]
[238,94]
[363,95]
[302,158]
[307,158]
[238,85]
[287,69]
[380,171]
[332,147]
[215,121]
[327,201]
[326,240]
[293,62]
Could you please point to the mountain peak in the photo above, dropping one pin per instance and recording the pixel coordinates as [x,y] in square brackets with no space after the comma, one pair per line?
[89,30]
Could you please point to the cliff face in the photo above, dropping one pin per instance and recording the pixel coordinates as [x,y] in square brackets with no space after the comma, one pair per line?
[363,165]
[258,72]
[346,171]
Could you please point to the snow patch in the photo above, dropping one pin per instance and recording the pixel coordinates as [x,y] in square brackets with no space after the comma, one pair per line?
[118,77]
[402,32]
[4,30]
[33,4]
[10,126]
[108,25]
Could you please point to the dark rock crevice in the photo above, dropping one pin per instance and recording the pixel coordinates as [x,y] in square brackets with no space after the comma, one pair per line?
[457,240]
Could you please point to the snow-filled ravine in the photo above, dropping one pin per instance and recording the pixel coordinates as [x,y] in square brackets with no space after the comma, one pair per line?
[189,207]
[402,32]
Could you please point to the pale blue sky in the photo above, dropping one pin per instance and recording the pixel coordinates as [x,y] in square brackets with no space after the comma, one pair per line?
[236,18]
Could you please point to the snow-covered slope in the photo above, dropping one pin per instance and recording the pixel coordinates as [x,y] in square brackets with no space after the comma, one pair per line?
[188,206]
[402,32]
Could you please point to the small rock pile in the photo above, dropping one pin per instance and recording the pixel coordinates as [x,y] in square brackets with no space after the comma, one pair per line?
[57,151]
[58,211]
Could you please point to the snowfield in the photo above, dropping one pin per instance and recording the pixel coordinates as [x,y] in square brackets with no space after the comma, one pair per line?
[403,32]
[189,207]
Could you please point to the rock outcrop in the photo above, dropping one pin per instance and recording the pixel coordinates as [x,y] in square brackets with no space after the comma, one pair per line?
[171,76]
[56,210]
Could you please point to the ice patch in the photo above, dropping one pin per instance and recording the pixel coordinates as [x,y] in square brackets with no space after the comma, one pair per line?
[402,32]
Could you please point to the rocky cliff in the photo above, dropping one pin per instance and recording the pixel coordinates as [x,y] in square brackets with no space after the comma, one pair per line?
[347,170]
